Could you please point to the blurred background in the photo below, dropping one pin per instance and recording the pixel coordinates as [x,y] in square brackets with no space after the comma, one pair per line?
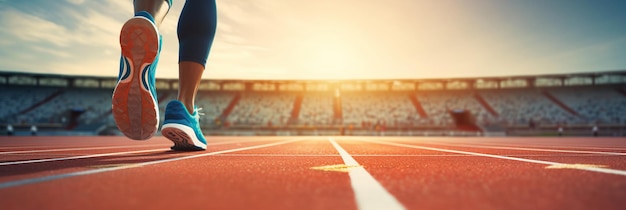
[325,67]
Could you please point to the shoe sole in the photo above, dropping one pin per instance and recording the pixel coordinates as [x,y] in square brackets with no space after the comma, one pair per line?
[135,109]
[184,137]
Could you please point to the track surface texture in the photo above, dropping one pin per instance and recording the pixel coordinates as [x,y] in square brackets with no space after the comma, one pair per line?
[314,172]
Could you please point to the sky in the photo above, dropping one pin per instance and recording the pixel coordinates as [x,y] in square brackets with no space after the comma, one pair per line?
[332,39]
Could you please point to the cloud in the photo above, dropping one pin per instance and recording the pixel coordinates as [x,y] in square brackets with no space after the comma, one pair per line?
[76,1]
[43,45]
[303,39]
[27,28]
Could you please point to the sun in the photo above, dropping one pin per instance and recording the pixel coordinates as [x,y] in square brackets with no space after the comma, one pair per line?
[333,57]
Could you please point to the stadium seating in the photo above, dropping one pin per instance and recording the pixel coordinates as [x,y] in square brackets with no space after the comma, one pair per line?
[438,104]
[513,106]
[212,104]
[262,108]
[519,106]
[316,109]
[16,99]
[91,102]
[383,108]
[595,104]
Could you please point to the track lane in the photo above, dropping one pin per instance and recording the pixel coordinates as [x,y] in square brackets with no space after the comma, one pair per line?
[234,181]
[47,155]
[33,170]
[479,182]
[280,177]
[571,143]
[580,157]
[34,144]
[54,142]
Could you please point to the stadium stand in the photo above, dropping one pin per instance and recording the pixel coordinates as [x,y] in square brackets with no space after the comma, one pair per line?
[519,106]
[438,104]
[316,109]
[423,107]
[391,109]
[16,100]
[261,108]
[89,102]
[600,105]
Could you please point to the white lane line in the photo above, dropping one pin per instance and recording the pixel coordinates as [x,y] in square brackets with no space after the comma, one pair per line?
[504,142]
[531,146]
[95,155]
[116,147]
[77,149]
[400,155]
[100,170]
[78,157]
[600,170]
[368,192]
[530,149]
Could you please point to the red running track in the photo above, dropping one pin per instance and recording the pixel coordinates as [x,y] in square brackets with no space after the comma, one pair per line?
[288,173]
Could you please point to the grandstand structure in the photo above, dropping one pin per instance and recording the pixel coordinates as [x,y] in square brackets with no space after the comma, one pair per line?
[515,105]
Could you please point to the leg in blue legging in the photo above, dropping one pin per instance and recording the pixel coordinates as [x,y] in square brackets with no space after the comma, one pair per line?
[196,30]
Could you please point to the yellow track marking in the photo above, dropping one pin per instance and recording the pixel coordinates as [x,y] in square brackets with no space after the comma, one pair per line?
[336,168]
[574,166]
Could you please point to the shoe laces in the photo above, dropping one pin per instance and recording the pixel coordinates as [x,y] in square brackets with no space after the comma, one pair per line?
[198,113]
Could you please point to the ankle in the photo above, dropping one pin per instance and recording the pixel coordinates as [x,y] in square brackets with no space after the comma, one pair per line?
[145,14]
[190,109]
[189,105]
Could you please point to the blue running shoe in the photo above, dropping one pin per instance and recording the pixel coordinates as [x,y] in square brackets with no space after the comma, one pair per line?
[135,106]
[183,128]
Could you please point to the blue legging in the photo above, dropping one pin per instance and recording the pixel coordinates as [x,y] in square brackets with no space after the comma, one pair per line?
[196,30]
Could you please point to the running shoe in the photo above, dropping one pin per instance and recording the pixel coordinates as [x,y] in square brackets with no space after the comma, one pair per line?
[135,106]
[183,128]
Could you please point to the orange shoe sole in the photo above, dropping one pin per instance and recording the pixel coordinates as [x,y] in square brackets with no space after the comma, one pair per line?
[135,109]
